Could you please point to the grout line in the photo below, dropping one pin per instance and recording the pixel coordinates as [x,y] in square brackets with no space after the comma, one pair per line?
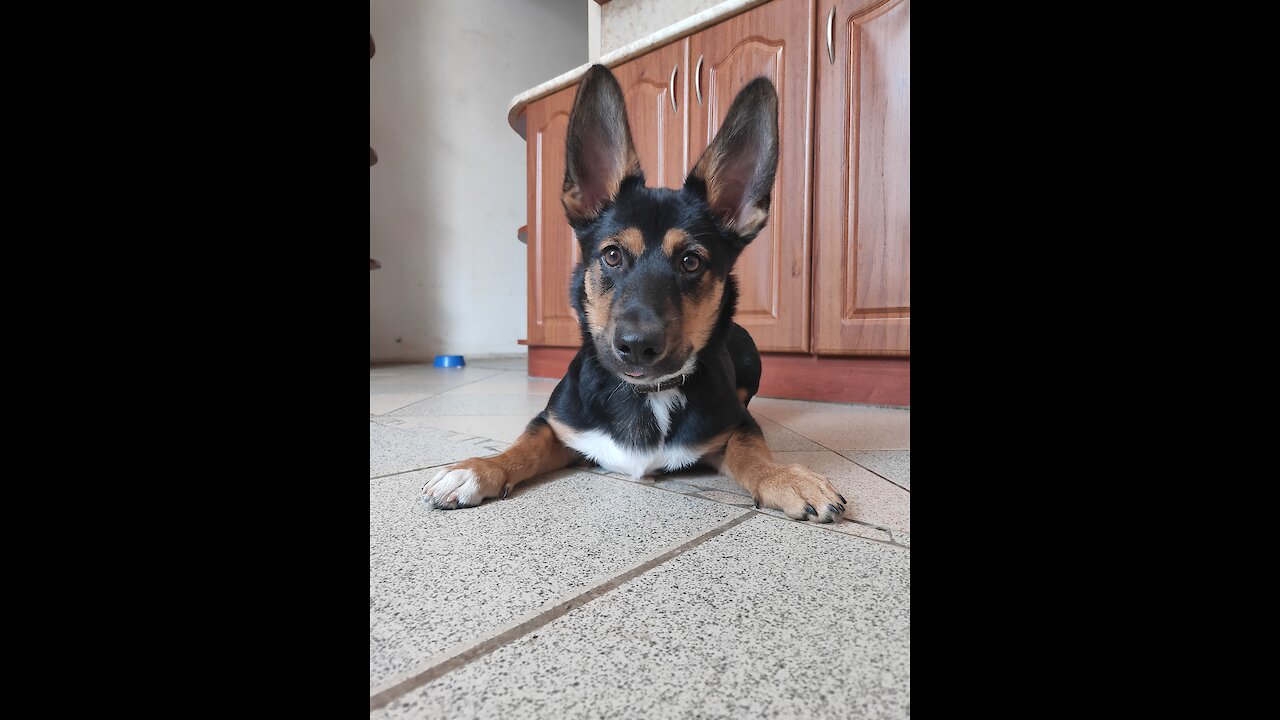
[415,402]
[871,470]
[752,511]
[485,647]
[402,472]
[824,447]
[433,395]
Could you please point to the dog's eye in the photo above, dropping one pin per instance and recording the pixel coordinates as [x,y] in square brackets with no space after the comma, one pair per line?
[691,263]
[612,256]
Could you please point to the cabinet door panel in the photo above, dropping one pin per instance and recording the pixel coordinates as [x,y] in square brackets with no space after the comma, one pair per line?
[862,208]
[553,250]
[777,41]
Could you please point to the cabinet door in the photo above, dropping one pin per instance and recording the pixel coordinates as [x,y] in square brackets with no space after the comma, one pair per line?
[657,127]
[862,207]
[553,250]
[775,40]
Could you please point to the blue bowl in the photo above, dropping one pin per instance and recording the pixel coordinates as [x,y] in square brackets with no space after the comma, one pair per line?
[449,361]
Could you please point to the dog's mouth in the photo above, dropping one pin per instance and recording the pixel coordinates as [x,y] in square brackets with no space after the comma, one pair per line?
[661,373]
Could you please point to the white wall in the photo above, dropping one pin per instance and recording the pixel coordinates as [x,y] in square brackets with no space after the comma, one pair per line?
[448,192]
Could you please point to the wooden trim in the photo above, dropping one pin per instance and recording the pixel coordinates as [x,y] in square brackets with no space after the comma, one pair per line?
[878,381]
[550,362]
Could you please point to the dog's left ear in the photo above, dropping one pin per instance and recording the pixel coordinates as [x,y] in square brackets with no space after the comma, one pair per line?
[735,173]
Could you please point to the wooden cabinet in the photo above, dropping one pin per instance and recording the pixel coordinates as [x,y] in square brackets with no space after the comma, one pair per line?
[830,274]
[553,251]
[862,203]
[775,40]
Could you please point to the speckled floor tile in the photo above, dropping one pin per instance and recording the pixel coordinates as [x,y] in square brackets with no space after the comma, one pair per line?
[380,404]
[728,498]
[459,404]
[398,447]
[507,382]
[698,479]
[769,619]
[893,464]
[780,439]
[420,374]
[872,499]
[707,480]
[840,427]
[440,578]
[504,428]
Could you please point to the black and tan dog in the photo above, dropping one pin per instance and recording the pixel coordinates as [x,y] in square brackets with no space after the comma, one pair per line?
[664,375]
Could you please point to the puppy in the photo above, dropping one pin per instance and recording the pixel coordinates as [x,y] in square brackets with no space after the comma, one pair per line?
[664,375]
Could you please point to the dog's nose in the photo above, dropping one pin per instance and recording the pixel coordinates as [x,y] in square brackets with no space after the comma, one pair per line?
[640,344]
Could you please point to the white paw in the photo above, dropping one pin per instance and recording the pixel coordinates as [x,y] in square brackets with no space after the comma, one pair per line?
[451,489]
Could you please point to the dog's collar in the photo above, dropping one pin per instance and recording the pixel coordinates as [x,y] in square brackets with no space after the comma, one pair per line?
[664,385]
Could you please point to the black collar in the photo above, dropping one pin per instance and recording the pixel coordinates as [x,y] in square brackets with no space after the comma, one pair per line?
[664,385]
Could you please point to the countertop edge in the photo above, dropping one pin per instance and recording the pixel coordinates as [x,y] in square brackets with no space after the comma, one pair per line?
[685,27]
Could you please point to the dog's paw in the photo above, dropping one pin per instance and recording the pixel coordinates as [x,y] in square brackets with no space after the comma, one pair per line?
[800,493]
[464,484]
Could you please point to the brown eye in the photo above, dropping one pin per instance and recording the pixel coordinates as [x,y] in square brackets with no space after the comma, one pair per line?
[691,263]
[612,257]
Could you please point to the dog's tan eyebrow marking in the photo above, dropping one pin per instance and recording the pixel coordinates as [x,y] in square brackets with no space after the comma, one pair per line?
[630,239]
[673,240]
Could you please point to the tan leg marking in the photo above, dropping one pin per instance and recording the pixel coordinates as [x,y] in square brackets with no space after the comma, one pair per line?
[789,488]
[467,483]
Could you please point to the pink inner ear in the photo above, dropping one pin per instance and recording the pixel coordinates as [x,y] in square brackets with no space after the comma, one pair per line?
[729,199]
[598,171]
[734,182]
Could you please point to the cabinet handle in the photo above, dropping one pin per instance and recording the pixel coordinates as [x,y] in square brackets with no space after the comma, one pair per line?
[671,87]
[831,19]
[697,80]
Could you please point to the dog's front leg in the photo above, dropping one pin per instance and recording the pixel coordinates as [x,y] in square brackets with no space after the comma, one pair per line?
[467,483]
[794,489]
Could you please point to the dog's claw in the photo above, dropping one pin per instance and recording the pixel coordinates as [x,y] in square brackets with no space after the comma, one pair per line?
[809,509]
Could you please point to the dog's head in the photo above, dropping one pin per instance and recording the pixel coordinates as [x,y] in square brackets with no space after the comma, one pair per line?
[654,287]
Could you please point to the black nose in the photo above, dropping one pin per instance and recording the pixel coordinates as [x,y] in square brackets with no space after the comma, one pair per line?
[640,344]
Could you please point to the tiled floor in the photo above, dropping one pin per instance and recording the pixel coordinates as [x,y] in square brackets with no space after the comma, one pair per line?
[588,595]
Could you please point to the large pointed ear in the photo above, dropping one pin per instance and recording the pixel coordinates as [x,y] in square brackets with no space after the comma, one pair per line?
[599,154]
[735,173]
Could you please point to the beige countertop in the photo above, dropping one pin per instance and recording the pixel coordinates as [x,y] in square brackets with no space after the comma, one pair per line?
[685,27]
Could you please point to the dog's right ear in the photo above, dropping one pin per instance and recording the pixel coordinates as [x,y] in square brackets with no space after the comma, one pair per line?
[599,154]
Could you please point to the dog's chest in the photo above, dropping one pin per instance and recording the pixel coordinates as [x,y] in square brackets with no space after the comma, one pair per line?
[601,447]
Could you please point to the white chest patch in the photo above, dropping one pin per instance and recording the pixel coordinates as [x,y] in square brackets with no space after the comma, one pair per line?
[634,462]
[663,404]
